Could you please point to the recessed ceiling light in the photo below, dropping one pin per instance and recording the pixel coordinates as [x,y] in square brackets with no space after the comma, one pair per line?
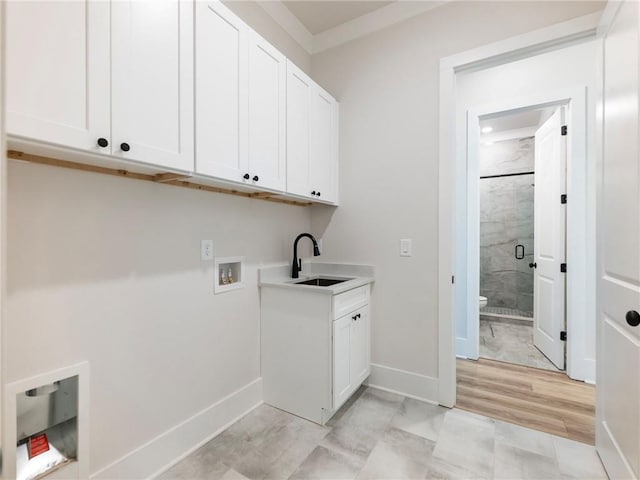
[487,129]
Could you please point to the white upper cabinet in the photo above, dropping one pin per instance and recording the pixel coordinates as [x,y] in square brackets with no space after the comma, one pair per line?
[240,101]
[267,122]
[221,92]
[108,77]
[152,81]
[312,116]
[57,64]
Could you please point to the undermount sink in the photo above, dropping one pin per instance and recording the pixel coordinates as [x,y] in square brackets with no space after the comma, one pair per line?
[321,281]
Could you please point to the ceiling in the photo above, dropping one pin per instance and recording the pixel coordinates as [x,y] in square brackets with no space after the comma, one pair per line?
[515,121]
[320,15]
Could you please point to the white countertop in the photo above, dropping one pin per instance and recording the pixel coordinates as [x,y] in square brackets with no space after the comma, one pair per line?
[280,276]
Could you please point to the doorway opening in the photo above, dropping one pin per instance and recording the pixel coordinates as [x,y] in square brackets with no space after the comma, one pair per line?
[522,228]
[519,292]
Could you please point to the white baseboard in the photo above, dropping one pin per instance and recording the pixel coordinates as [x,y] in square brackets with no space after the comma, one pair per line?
[405,383]
[168,448]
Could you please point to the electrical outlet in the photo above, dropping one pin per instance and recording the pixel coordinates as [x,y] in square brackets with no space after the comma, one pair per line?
[405,247]
[206,250]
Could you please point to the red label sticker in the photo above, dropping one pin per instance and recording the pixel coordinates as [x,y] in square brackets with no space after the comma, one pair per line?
[38,444]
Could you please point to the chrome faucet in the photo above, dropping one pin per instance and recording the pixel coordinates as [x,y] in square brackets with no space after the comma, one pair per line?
[296,266]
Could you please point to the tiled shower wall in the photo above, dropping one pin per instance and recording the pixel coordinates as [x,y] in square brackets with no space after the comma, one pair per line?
[506,219]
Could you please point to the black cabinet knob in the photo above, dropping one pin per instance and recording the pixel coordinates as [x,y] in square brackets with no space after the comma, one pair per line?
[313,193]
[533,265]
[256,178]
[103,142]
[246,176]
[633,318]
[125,147]
[318,193]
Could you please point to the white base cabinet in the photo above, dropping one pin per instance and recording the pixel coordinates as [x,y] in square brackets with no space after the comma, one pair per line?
[315,349]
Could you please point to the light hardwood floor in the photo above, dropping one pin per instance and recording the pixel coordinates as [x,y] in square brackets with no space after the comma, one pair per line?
[531,397]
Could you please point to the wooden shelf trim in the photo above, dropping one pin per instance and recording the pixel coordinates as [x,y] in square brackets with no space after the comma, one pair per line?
[169,178]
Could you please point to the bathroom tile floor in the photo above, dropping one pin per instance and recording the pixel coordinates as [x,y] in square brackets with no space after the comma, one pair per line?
[380,435]
[511,342]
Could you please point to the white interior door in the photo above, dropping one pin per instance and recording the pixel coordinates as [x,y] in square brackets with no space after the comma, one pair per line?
[549,242]
[618,338]
[152,81]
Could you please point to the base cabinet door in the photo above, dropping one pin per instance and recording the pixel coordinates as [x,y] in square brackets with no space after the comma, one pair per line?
[360,345]
[57,72]
[152,81]
[342,381]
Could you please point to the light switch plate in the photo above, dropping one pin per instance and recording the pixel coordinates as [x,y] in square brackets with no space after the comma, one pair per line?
[405,247]
[206,250]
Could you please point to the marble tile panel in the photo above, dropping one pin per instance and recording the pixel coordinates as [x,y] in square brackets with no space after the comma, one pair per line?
[324,463]
[467,441]
[420,418]
[399,454]
[578,460]
[514,463]
[526,439]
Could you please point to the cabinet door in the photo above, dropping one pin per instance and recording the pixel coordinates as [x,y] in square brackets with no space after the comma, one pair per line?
[152,81]
[267,82]
[360,346]
[342,382]
[57,72]
[299,94]
[221,92]
[323,145]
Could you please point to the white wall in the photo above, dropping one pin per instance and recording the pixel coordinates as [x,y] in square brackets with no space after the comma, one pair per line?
[387,84]
[567,68]
[108,270]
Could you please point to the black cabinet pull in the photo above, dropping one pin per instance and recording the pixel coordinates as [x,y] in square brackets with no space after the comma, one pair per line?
[313,193]
[533,265]
[125,147]
[521,256]
[633,318]
[246,176]
[103,142]
[256,178]
[318,194]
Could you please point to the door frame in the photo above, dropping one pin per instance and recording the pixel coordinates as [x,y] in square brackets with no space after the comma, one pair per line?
[578,243]
[522,46]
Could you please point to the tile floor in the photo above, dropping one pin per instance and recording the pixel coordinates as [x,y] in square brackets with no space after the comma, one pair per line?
[511,342]
[380,435]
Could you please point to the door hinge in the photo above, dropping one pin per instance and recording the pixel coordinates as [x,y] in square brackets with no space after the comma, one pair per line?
[563,336]
[563,267]
[453,279]
[563,130]
[563,198]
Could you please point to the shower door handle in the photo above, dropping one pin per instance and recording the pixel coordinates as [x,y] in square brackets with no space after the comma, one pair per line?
[521,256]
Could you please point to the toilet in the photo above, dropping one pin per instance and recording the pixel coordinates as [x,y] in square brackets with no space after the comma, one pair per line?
[483,301]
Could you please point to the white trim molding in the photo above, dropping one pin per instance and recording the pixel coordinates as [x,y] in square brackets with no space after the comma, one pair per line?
[402,382]
[521,46]
[150,459]
[379,19]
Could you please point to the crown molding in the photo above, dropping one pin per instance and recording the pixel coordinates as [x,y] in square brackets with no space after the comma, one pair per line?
[358,27]
[371,22]
[287,20]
